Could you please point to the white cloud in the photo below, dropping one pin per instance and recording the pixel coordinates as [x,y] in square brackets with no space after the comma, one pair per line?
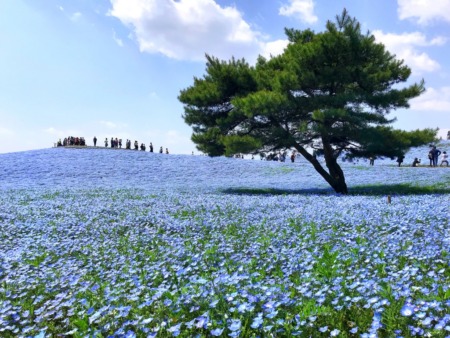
[187,29]
[424,11]
[112,125]
[174,138]
[404,46]
[433,100]
[273,48]
[75,16]
[153,95]
[301,9]
[117,40]
[59,133]
[108,124]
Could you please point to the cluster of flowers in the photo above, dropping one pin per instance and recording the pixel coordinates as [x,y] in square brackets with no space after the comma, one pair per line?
[167,253]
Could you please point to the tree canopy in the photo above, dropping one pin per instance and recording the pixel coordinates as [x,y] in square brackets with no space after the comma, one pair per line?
[329,91]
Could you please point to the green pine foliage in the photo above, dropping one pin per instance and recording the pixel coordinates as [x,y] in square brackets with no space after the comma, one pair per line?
[330,92]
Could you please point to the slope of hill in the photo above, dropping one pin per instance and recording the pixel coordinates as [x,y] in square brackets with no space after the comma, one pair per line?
[86,168]
[103,243]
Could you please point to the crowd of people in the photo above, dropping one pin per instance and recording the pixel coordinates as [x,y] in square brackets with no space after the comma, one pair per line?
[117,143]
[280,156]
[71,141]
[433,154]
[433,157]
[114,143]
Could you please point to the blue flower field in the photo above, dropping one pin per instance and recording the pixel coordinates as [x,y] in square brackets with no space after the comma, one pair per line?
[116,243]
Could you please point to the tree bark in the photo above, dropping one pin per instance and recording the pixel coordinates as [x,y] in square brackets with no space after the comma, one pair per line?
[335,177]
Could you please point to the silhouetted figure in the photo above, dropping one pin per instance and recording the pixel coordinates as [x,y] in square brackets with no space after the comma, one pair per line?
[167,151]
[151,147]
[136,145]
[106,142]
[161,150]
[293,157]
[400,159]
[444,158]
[415,162]
[95,141]
[371,160]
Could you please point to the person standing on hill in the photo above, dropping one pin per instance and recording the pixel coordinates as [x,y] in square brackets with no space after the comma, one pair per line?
[161,150]
[95,141]
[430,157]
[106,142]
[437,152]
[293,156]
[444,158]
[151,147]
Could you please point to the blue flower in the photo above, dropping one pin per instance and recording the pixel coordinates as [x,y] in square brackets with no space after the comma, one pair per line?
[257,322]
[130,334]
[407,310]
[235,324]
[216,332]
[334,333]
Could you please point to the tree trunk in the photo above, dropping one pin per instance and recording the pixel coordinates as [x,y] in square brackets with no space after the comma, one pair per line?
[334,169]
[338,179]
[335,177]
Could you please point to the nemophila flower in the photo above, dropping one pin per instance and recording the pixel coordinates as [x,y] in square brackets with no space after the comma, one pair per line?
[257,322]
[323,329]
[130,334]
[190,324]
[149,242]
[407,310]
[235,325]
[175,330]
[334,333]
[427,321]
[201,321]
[216,332]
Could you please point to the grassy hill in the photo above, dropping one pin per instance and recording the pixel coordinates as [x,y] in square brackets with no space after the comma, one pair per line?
[105,243]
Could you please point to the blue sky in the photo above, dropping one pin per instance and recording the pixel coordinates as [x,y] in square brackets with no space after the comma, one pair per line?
[114,68]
